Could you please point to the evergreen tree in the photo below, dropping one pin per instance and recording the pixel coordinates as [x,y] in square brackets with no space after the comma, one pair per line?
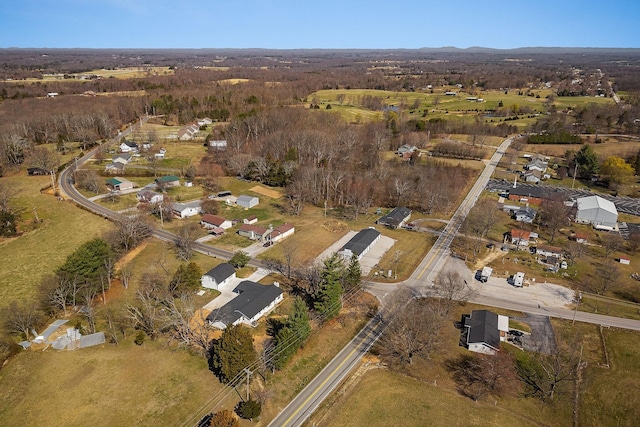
[186,279]
[298,320]
[87,263]
[232,352]
[249,410]
[587,161]
[327,299]
[289,336]
[353,276]
[8,223]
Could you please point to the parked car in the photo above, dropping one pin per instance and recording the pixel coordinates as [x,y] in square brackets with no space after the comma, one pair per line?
[267,244]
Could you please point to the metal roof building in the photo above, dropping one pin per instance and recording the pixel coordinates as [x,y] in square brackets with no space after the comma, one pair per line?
[599,212]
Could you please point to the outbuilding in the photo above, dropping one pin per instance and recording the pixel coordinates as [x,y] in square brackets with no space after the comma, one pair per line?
[360,244]
[218,276]
[247,202]
[597,211]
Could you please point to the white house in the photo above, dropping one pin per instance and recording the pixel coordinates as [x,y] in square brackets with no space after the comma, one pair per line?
[186,210]
[247,202]
[204,122]
[213,221]
[253,232]
[600,213]
[219,144]
[147,196]
[280,232]
[129,147]
[122,158]
[218,276]
[252,302]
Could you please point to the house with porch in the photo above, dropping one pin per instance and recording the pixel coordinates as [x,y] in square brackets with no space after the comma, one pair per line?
[210,221]
[252,232]
[484,330]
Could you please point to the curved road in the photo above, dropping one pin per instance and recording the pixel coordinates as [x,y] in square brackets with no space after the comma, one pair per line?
[66,185]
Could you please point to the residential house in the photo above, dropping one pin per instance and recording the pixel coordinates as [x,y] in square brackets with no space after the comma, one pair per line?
[220,144]
[360,244]
[247,202]
[186,210]
[484,330]
[128,147]
[167,181]
[597,211]
[532,176]
[548,251]
[119,184]
[580,237]
[114,167]
[148,196]
[525,214]
[160,154]
[204,122]
[253,301]
[280,232]
[533,195]
[218,276]
[519,237]
[536,165]
[406,149]
[188,132]
[252,232]
[250,220]
[124,158]
[210,221]
[396,218]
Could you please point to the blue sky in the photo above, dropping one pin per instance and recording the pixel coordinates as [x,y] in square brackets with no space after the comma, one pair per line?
[288,24]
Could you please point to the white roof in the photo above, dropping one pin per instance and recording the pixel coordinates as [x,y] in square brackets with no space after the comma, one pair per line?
[503,323]
[593,202]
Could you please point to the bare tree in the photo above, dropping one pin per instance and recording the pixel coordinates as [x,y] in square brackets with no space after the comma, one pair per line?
[611,242]
[187,324]
[413,331]
[184,241]
[452,289]
[480,220]
[130,232]
[607,277]
[554,215]
[88,179]
[21,319]
[478,374]
[576,251]
[125,275]
[55,291]
[88,295]
[544,373]
[147,314]
[7,192]
[41,157]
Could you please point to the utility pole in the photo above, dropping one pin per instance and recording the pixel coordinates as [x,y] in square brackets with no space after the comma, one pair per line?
[397,256]
[53,182]
[575,171]
[161,221]
[248,372]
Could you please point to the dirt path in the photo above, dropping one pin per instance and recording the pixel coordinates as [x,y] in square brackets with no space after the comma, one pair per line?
[491,256]
[129,256]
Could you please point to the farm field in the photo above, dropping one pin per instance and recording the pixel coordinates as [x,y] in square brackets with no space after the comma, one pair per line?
[349,104]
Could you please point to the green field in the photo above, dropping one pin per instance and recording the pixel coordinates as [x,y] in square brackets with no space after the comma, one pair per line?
[422,105]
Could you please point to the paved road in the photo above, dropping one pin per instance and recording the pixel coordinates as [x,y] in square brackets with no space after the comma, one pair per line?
[66,185]
[303,405]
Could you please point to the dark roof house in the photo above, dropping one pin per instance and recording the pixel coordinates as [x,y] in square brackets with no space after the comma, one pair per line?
[396,218]
[483,331]
[253,301]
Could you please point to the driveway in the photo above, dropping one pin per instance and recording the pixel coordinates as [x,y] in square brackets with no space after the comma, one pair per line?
[542,338]
[226,293]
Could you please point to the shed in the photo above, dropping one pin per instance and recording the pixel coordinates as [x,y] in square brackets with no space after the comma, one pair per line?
[396,218]
[247,202]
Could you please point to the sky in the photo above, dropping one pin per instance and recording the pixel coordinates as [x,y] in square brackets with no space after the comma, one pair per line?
[331,24]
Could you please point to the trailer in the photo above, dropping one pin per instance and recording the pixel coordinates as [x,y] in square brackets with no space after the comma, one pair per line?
[485,274]
[518,280]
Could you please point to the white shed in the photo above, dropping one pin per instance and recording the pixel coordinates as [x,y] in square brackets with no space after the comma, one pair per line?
[247,201]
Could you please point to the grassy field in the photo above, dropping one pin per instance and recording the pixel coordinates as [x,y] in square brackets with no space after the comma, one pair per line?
[422,105]
[104,386]
[44,246]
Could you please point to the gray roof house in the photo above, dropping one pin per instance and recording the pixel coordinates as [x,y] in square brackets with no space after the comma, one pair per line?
[396,218]
[360,243]
[525,214]
[484,331]
[253,301]
[247,201]
[218,276]
[186,210]
[600,213]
